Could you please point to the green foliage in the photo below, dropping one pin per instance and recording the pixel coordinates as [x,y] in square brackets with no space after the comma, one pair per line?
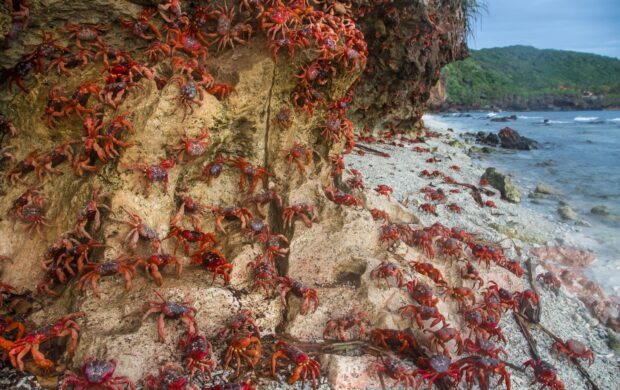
[524,73]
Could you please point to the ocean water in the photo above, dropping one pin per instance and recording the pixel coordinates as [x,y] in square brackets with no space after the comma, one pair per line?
[579,157]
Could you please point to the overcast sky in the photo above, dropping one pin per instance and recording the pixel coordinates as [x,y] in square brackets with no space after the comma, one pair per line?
[582,25]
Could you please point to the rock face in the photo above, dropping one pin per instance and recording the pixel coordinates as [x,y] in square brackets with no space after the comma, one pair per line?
[504,184]
[267,121]
[409,43]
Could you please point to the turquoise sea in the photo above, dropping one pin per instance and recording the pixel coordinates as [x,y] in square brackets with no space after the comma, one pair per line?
[579,157]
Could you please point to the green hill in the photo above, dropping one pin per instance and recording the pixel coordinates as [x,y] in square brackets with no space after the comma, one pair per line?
[523,77]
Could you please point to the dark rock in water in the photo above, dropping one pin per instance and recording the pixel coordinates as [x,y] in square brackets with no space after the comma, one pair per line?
[487,138]
[504,184]
[600,210]
[510,139]
[504,118]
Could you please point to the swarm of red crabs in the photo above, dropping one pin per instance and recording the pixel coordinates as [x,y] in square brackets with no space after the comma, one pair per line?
[178,41]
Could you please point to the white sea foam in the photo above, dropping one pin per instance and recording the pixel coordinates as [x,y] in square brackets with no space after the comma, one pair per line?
[585,118]
[557,122]
[529,117]
[614,120]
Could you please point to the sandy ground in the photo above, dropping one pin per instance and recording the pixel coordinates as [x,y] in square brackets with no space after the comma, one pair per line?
[566,316]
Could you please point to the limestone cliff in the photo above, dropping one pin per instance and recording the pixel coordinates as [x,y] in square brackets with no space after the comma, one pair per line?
[103,111]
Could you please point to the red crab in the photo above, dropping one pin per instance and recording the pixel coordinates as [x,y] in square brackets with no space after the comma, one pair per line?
[54,157]
[380,214]
[422,313]
[197,354]
[487,253]
[214,262]
[461,295]
[153,173]
[305,211]
[190,206]
[43,50]
[481,367]
[484,347]
[170,309]
[206,240]
[242,321]
[141,26]
[108,268]
[550,279]
[384,190]
[140,230]
[335,127]
[158,50]
[303,363]
[423,239]
[213,169]
[341,198]
[114,89]
[192,147]
[469,272]
[443,336]
[455,208]
[437,367]
[239,347]
[491,204]
[186,42]
[451,247]
[33,214]
[283,118]
[273,246]
[573,349]
[189,93]
[421,293]
[226,33]
[268,196]
[171,377]
[153,263]
[513,266]
[18,73]
[278,19]
[298,153]
[86,32]
[253,173]
[7,126]
[346,322]
[244,215]
[221,91]
[387,269]
[25,166]
[429,270]
[545,374]
[297,288]
[397,370]
[65,326]
[264,275]
[428,208]
[392,339]
[96,373]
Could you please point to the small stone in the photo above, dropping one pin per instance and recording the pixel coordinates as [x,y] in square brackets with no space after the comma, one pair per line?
[600,210]
[504,184]
[456,144]
[614,340]
[542,188]
[567,213]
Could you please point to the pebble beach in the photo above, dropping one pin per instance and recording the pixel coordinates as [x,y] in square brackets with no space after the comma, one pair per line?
[510,224]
